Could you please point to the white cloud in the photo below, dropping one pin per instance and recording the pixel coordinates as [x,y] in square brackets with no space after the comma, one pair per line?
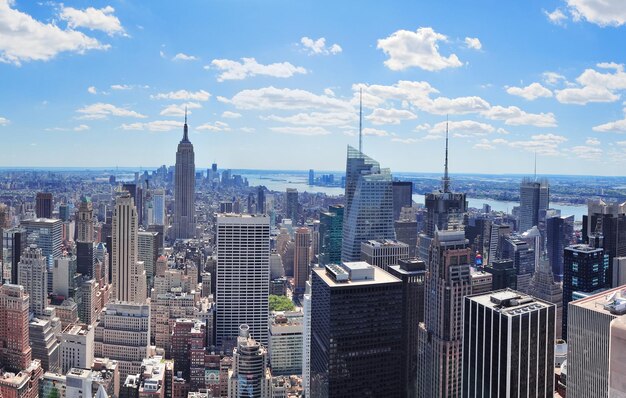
[423,127]
[584,95]
[329,92]
[542,144]
[234,70]
[473,43]
[484,145]
[81,127]
[600,12]
[417,92]
[23,38]
[91,90]
[556,17]
[375,132]
[408,49]
[514,116]
[390,116]
[405,140]
[93,19]
[4,121]
[456,106]
[101,111]
[305,131]
[586,152]
[248,129]
[595,86]
[179,109]
[121,87]
[592,141]
[316,118]
[184,57]
[318,47]
[217,126]
[157,125]
[552,78]
[530,92]
[618,126]
[184,95]
[230,115]
[464,127]
[286,99]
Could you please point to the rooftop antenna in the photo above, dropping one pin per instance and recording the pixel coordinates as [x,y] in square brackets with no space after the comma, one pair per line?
[535,165]
[361,120]
[185,128]
[446,179]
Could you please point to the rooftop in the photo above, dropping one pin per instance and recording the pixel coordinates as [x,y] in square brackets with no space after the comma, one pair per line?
[375,275]
[384,242]
[612,301]
[509,302]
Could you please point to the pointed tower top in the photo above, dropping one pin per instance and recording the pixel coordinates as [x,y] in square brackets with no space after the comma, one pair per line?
[185,129]
[361,119]
[446,178]
[535,165]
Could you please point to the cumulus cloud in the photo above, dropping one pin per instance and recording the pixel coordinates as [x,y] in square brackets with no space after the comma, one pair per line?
[316,118]
[375,132]
[184,95]
[93,19]
[405,140]
[599,12]
[81,127]
[618,126]
[456,106]
[552,78]
[179,109]
[514,116]
[530,92]
[586,152]
[390,116]
[595,86]
[592,141]
[230,115]
[484,145]
[234,70]
[4,121]
[216,127]
[101,111]
[184,57]
[92,90]
[463,127]
[556,17]
[305,131]
[584,95]
[286,99]
[24,39]
[408,49]
[157,125]
[473,43]
[318,47]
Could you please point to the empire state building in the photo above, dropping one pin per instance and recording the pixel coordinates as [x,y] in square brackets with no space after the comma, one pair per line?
[184,189]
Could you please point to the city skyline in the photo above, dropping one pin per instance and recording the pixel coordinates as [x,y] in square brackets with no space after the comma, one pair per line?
[547,81]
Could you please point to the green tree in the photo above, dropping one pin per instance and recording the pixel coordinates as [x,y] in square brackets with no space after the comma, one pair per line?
[281,303]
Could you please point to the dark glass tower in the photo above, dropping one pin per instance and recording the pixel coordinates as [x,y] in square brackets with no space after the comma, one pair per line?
[402,197]
[184,189]
[331,223]
[43,205]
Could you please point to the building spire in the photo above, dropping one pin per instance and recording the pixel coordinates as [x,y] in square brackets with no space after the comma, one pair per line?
[535,165]
[361,120]
[185,128]
[446,179]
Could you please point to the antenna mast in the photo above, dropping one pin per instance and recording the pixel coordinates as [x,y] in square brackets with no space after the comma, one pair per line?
[361,120]
[446,178]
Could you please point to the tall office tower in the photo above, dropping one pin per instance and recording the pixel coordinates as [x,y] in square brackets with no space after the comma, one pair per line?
[5,217]
[129,275]
[406,232]
[383,252]
[158,207]
[251,208]
[16,353]
[13,243]
[311,177]
[534,196]
[306,340]
[43,333]
[412,273]
[402,197]
[260,200]
[43,205]
[184,226]
[503,274]
[148,251]
[84,221]
[443,206]
[588,331]
[188,346]
[523,258]
[508,346]
[292,206]
[331,227]
[64,212]
[243,270]
[285,343]
[33,275]
[77,347]
[64,276]
[585,270]
[47,234]
[368,213]
[440,335]
[559,234]
[609,221]
[617,347]
[544,287]
[123,334]
[250,377]
[301,259]
[619,271]
[356,322]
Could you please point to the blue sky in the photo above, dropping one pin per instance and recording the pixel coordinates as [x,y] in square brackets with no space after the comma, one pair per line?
[274,84]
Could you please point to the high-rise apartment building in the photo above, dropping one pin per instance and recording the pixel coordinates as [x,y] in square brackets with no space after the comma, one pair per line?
[184,226]
[534,198]
[285,343]
[356,332]
[301,259]
[148,251]
[43,336]
[43,205]
[368,212]
[128,273]
[440,335]
[33,275]
[383,252]
[508,346]
[330,229]
[250,377]
[15,351]
[242,291]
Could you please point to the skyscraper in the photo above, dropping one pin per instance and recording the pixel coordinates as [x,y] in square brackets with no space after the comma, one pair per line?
[508,346]
[368,212]
[43,205]
[292,206]
[402,197]
[534,196]
[128,274]
[184,226]
[16,353]
[243,271]
[33,275]
[544,287]
[301,259]
[559,233]
[250,377]
[440,335]
[260,200]
[85,257]
[383,252]
[356,332]
[331,228]
[13,242]
[47,234]
[158,207]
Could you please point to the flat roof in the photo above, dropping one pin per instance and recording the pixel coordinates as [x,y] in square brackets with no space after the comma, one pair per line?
[525,302]
[597,301]
[380,276]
